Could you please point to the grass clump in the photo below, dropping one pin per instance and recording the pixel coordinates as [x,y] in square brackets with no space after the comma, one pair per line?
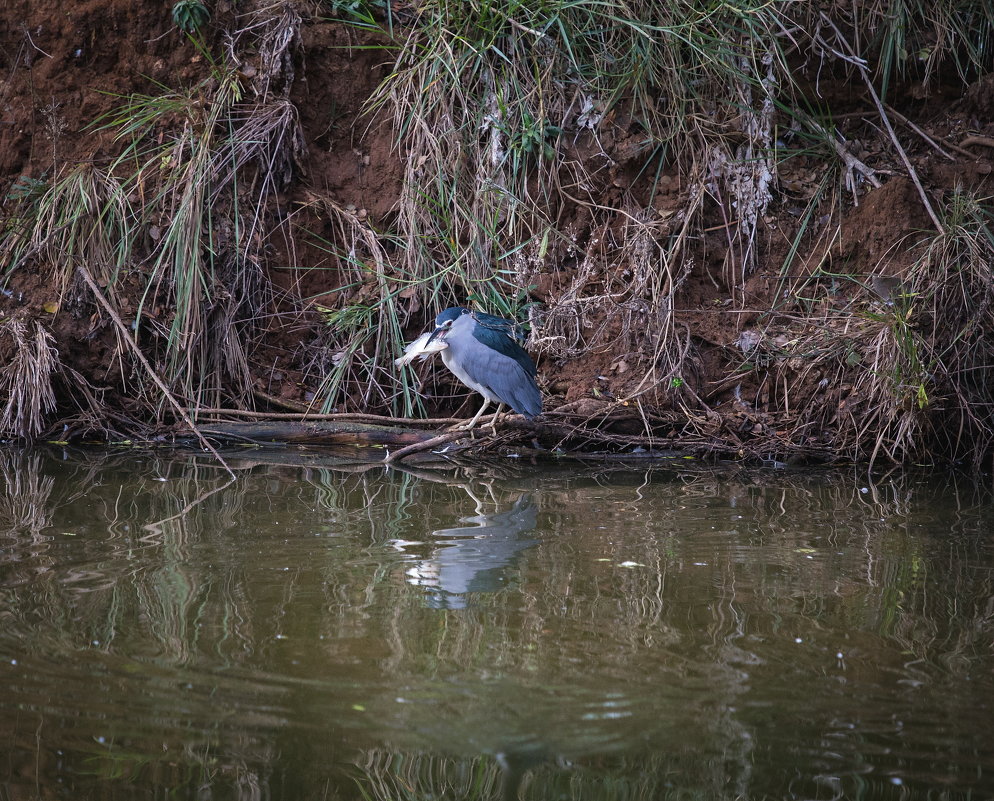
[30,359]
[181,213]
[914,39]
[193,266]
[83,216]
[365,317]
[926,391]
[954,281]
[897,367]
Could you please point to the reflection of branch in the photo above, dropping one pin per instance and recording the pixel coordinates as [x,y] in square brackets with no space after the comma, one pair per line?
[155,527]
[148,367]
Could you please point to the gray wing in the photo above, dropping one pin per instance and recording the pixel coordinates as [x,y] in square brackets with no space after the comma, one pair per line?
[500,339]
[507,378]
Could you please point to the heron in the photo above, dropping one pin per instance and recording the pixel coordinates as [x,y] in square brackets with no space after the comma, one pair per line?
[482,352]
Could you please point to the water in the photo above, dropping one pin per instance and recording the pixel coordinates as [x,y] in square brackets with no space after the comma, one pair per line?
[496,632]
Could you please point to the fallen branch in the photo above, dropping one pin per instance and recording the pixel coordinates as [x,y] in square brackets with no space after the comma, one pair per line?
[316,432]
[356,417]
[126,335]
[983,141]
[961,150]
[428,444]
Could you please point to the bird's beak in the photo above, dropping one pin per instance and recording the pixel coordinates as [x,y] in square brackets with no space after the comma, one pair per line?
[438,332]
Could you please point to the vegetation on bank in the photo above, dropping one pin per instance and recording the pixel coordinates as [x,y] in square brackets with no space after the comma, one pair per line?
[671,129]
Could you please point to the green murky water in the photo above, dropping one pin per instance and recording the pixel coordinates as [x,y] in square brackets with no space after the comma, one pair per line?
[498,632]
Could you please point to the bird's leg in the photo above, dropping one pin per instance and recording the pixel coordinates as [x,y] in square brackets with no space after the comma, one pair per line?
[471,423]
[492,425]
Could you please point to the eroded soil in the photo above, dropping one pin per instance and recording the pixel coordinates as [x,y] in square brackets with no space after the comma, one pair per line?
[65,65]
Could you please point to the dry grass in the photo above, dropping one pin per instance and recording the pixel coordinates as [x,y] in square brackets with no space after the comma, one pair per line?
[365,317]
[183,211]
[30,359]
[900,377]
[81,216]
[537,139]
[500,111]
[952,298]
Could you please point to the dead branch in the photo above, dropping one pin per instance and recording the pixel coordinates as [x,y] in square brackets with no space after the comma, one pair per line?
[309,432]
[865,75]
[983,141]
[428,444]
[126,335]
[357,417]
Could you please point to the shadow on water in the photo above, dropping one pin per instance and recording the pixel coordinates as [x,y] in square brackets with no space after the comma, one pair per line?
[325,630]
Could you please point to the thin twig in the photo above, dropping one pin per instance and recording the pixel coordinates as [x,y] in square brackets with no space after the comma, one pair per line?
[901,118]
[886,121]
[27,33]
[904,156]
[526,29]
[961,151]
[126,334]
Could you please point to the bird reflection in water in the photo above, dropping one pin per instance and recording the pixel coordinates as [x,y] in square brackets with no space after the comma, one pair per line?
[473,558]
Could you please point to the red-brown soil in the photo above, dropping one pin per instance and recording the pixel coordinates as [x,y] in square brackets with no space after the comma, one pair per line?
[65,64]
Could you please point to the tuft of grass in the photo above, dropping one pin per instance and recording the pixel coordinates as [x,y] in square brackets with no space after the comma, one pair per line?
[914,39]
[366,316]
[190,15]
[178,179]
[30,358]
[927,391]
[902,370]
[81,216]
[954,287]
[204,164]
[183,211]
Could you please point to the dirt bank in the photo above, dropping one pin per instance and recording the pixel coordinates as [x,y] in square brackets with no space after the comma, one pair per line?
[779,296]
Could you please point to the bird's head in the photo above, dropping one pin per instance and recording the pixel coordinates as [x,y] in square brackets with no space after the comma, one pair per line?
[444,321]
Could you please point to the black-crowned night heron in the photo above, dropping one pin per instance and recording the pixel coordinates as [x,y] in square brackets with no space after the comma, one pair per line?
[481,351]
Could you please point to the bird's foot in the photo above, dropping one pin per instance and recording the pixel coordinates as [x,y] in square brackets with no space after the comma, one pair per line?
[495,418]
[462,426]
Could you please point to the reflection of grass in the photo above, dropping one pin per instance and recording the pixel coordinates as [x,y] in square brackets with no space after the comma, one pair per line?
[414,777]
[25,504]
[203,599]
